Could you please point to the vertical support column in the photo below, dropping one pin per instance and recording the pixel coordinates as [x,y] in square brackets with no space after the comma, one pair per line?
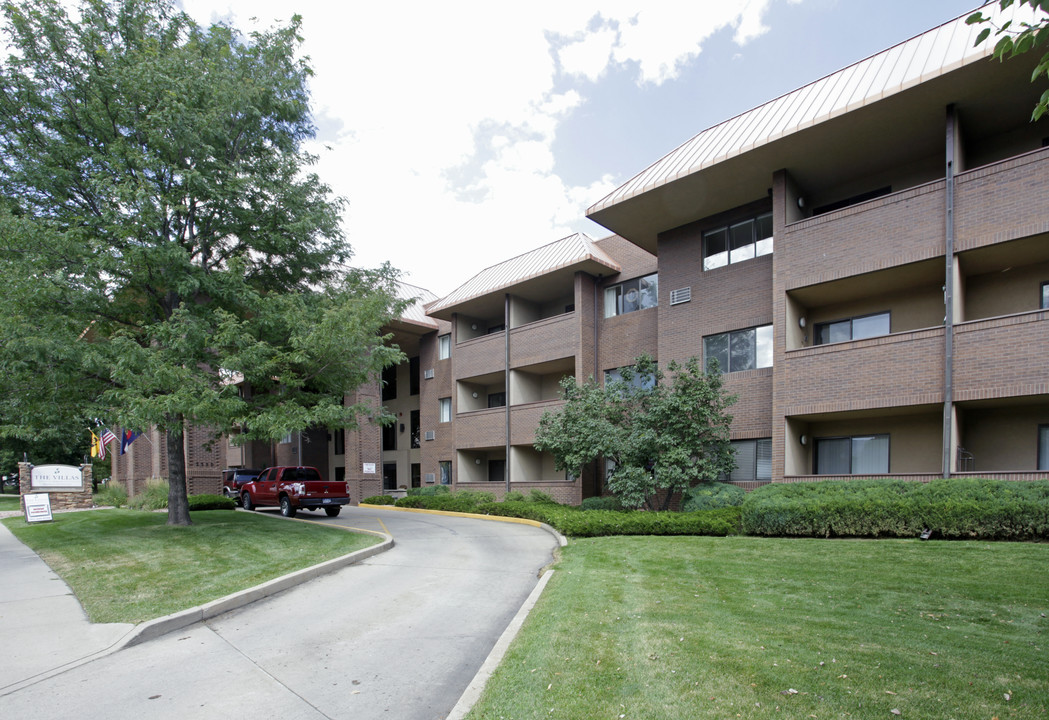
[506,384]
[948,295]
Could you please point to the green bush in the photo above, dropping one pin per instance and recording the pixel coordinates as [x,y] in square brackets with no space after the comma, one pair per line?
[459,501]
[606,502]
[598,523]
[707,496]
[538,496]
[952,508]
[411,501]
[154,497]
[377,500]
[514,496]
[112,494]
[211,502]
[429,490]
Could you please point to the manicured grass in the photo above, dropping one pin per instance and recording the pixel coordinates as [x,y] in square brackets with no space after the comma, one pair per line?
[743,627]
[9,502]
[129,566]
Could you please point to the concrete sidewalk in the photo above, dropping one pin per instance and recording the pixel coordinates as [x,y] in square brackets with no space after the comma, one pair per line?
[43,628]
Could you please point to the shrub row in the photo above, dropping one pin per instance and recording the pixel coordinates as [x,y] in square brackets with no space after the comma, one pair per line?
[460,501]
[211,502]
[429,490]
[597,523]
[966,508]
[708,496]
[377,500]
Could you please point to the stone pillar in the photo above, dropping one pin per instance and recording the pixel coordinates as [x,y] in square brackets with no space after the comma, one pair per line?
[61,499]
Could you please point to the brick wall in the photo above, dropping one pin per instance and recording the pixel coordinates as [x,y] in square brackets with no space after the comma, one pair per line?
[1003,201]
[1002,357]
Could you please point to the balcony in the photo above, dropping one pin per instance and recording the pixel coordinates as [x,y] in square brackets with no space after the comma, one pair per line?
[1001,357]
[1002,201]
[543,340]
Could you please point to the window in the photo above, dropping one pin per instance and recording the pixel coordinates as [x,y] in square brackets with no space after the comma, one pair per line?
[1043,447]
[413,375]
[389,436]
[735,243]
[753,460]
[444,347]
[1045,296]
[497,399]
[636,294]
[495,329]
[339,437]
[446,472]
[389,383]
[496,470]
[286,440]
[446,409]
[855,328]
[645,381]
[415,429]
[740,350]
[856,455]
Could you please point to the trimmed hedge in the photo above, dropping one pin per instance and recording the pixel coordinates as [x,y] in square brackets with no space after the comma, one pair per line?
[211,502]
[598,523]
[377,500]
[429,490]
[958,508]
[605,502]
[460,501]
[707,496]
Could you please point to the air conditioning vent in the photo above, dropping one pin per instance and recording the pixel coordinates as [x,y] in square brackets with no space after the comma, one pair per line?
[430,477]
[430,435]
[428,374]
[681,295]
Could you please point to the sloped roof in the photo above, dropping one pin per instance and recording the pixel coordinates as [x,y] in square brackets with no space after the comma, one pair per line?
[415,313]
[925,57]
[565,256]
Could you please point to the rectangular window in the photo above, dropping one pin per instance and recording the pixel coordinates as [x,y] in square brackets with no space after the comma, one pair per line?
[413,375]
[415,429]
[389,383]
[740,349]
[446,409]
[446,472]
[495,329]
[1043,447]
[753,460]
[1045,296]
[444,347]
[339,438]
[646,381]
[389,436]
[856,328]
[856,455]
[496,400]
[496,470]
[632,295]
[738,242]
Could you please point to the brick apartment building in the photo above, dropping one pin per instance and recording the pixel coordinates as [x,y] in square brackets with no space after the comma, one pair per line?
[867,257]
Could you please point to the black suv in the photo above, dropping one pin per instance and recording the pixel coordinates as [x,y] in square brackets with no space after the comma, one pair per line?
[234,478]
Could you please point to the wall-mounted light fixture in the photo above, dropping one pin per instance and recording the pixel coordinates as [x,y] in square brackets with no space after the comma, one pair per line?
[801,202]
[804,439]
[801,322]
[477,461]
[474,394]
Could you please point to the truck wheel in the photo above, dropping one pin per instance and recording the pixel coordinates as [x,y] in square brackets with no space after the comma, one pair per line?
[332,511]
[285,507]
[245,501]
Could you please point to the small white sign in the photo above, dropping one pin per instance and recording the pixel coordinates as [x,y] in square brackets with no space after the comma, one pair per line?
[37,507]
[57,476]
[369,468]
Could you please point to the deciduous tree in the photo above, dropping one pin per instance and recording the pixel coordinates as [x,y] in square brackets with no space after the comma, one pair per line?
[663,432]
[173,246]
[1019,38]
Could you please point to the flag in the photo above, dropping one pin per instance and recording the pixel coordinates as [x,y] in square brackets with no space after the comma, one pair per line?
[107,436]
[94,444]
[126,439]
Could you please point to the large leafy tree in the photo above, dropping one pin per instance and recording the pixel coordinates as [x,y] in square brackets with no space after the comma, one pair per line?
[1016,39]
[664,432]
[169,256]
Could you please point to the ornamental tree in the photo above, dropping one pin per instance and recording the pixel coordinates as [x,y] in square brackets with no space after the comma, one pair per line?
[171,257]
[1017,39]
[662,432]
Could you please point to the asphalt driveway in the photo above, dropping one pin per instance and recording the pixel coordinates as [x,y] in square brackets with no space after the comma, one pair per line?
[399,635]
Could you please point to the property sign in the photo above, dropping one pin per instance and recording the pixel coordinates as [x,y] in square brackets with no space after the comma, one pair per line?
[369,469]
[37,507]
[57,476]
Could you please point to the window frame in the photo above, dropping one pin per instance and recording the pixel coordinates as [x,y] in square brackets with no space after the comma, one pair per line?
[389,383]
[444,472]
[443,404]
[754,477]
[641,381]
[728,348]
[756,247]
[444,346]
[414,373]
[1043,447]
[852,450]
[495,397]
[1044,300]
[615,300]
[852,325]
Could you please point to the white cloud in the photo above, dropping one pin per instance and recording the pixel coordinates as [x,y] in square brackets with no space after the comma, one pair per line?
[413,97]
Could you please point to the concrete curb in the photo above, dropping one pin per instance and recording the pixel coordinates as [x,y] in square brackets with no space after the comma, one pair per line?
[561,539]
[176,621]
[473,691]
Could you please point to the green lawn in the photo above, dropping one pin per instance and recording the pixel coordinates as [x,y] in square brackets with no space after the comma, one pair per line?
[741,627]
[129,566]
[9,502]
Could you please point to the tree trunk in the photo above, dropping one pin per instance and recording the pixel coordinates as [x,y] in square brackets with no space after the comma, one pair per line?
[178,501]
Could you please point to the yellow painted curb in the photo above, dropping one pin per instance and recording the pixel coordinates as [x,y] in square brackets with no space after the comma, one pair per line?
[561,539]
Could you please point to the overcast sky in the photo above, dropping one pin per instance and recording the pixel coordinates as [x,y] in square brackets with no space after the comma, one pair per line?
[465,133]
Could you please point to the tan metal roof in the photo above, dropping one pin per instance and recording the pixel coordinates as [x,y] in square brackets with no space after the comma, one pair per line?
[575,252]
[415,313]
[922,58]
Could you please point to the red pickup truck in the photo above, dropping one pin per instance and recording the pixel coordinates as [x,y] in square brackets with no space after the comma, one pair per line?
[294,489]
